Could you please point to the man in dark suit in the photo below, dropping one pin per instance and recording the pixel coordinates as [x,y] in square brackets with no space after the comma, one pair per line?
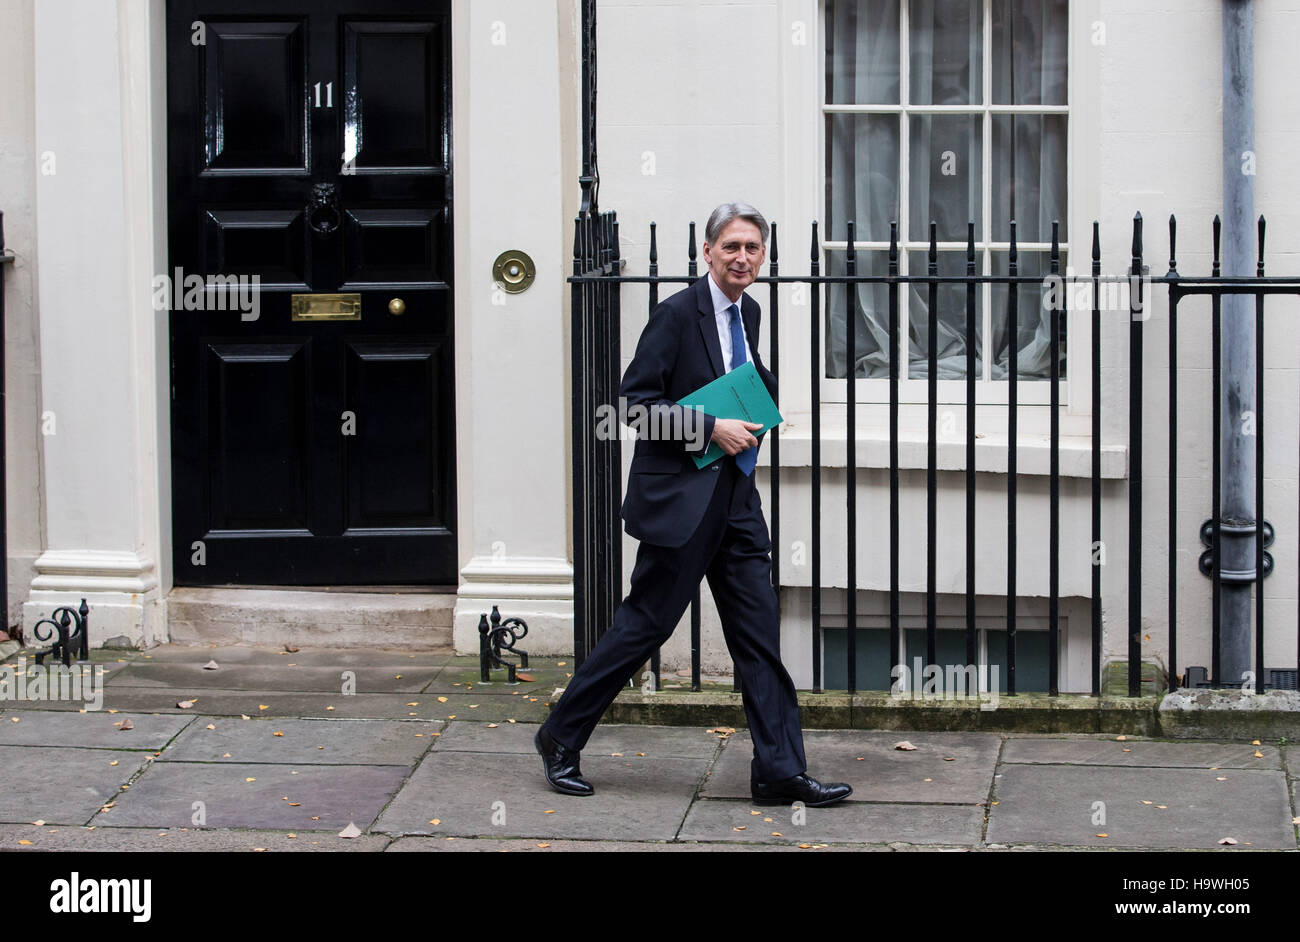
[696,523]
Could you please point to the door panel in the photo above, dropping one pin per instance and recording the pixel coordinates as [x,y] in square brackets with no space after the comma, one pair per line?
[309,147]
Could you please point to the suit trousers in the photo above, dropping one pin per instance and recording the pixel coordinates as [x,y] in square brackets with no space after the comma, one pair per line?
[730,548]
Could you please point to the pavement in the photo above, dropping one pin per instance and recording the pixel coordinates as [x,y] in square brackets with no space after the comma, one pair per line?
[274,750]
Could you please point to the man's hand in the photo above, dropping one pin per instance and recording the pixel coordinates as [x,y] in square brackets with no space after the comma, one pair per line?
[733,435]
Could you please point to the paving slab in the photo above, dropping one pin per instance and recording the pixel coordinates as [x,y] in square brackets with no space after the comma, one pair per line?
[883,774]
[331,678]
[96,839]
[393,706]
[333,795]
[269,655]
[92,729]
[1141,753]
[1056,804]
[854,821]
[319,742]
[424,845]
[462,675]
[62,785]
[635,799]
[655,741]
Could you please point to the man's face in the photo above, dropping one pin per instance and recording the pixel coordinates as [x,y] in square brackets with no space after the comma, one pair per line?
[735,258]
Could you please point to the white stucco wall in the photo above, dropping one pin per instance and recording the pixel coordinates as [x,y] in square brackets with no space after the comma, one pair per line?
[18,169]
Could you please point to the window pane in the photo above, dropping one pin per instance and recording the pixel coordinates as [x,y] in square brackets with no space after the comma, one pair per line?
[871,306]
[945,39]
[945,167]
[862,52]
[1034,327]
[951,319]
[1029,181]
[1030,52]
[861,176]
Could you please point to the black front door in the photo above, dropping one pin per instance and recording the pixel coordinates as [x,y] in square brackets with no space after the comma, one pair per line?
[309,163]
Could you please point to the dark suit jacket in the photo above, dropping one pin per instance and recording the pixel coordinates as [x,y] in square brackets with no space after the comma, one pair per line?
[677,354]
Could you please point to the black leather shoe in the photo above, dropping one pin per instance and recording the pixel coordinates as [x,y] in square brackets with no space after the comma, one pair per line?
[560,765]
[802,788]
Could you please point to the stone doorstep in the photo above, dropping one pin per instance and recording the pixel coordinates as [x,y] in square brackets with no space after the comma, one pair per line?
[396,619]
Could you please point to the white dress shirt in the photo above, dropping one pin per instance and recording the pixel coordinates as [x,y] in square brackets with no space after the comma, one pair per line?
[722,314]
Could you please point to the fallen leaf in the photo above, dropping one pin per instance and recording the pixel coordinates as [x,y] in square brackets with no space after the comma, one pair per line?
[225,755]
[1146,802]
[329,708]
[290,649]
[861,758]
[776,833]
[1128,750]
[805,846]
[263,706]
[243,716]
[1228,840]
[127,724]
[1103,835]
[277,733]
[14,719]
[492,725]
[512,721]
[739,828]
[442,699]
[24,842]
[552,811]
[526,678]
[436,821]
[1162,806]
[39,822]
[949,758]
[1221,778]
[1258,754]
[291,835]
[414,703]
[756,812]
[641,754]
[929,780]
[250,780]
[1254,742]
[295,804]
[618,755]
[210,726]
[210,666]
[1121,738]
[904,746]
[543,844]
[185,704]
[561,663]
[350,831]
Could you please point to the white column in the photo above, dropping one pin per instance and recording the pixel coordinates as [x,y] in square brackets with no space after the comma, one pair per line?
[102,379]
[513,64]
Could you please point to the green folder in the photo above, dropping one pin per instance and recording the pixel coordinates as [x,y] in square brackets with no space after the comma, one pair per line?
[739,394]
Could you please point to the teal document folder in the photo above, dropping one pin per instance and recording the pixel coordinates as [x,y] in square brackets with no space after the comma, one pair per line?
[739,394]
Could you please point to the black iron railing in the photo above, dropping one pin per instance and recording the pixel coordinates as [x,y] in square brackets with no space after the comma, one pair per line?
[597,465]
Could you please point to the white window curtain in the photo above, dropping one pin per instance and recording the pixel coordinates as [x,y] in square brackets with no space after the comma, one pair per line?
[945,172]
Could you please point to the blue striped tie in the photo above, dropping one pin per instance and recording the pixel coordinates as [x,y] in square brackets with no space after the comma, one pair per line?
[746,460]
